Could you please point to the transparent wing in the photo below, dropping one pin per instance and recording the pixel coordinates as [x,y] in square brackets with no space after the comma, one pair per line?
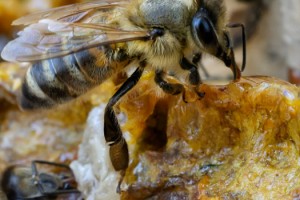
[69,32]
[37,42]
[69,12]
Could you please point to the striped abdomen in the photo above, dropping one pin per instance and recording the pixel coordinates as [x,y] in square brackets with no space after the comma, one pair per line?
[57,80]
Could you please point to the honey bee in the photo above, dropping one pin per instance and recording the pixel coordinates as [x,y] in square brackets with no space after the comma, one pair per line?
[23,182]
[76,47]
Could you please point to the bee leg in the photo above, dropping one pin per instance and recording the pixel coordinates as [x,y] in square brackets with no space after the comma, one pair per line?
[194,77]
[170,88]
[118,150]
[197,61]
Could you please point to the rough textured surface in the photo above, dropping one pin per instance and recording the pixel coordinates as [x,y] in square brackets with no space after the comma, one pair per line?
[240,141]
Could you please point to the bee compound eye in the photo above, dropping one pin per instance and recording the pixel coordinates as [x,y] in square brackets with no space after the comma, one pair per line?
[204,31]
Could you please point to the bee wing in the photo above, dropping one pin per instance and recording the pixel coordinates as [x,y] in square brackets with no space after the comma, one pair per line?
[67,33]
[37,42]
[69,12]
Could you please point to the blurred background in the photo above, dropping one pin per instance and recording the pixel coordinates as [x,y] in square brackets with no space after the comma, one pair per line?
[273,36]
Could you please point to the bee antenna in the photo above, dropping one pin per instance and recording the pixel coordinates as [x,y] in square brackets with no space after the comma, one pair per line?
[239,25]
[156,32]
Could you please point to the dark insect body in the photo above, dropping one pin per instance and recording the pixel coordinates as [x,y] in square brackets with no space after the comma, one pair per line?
[42,181]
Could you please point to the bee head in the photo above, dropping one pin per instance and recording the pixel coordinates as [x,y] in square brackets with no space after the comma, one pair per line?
[209,33]
[207,29]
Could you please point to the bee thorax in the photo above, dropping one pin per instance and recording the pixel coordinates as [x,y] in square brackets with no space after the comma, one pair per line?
[172,14]
[163,52]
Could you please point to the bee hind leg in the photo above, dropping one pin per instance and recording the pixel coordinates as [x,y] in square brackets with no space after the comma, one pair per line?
[118,150]
[194,76]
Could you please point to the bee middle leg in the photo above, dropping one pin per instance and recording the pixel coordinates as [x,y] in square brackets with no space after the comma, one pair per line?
[118,150]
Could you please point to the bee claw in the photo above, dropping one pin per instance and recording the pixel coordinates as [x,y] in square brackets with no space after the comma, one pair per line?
[122,173]
[119,188]
[184,98]
[200,94]
[192,94]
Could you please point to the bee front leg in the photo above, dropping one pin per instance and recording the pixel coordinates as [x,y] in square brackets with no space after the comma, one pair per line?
[197,61]
[170,88]
[194,76]
[112,132]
